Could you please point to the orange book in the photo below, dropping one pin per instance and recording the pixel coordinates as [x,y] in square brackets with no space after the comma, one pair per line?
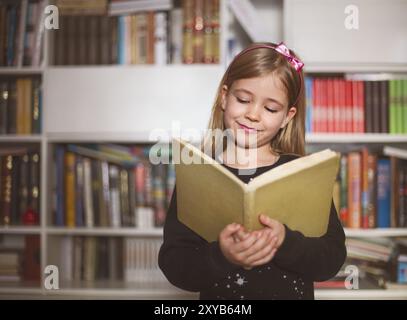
[70,189]
[365,188]
[150,37]
[354,189]
[198,38]
[215,31]
[187,32]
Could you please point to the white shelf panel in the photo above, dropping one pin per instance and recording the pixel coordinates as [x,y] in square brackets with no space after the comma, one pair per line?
[91,137]
[148,98]
[20,230]
[7,291]
[108,231]
[121,294]
[327,294]
[379,232]
[353,68]
[144,137]
[21,138]
[18,71]
[355,138]
[120,289]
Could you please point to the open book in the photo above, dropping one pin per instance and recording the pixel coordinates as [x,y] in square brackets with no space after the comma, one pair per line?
[297,193]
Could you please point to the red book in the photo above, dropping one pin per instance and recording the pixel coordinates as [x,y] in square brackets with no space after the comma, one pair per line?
[323,106]
[32,261]
[348,107]
[316,105]
[330,106]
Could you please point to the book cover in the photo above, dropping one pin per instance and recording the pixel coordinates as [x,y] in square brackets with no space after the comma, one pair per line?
[209,196]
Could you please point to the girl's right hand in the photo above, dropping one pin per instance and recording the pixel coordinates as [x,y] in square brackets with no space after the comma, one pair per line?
[253,249]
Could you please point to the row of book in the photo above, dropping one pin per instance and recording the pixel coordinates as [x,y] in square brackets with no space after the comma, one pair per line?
[20,261]
[181,35]
[101,40]
[372,263]
[111,186]
[371,190]
[21,32]
[339,105]
[20,106]
[19,186]
[110,259]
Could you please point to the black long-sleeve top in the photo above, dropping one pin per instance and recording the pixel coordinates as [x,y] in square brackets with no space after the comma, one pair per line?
[191,263]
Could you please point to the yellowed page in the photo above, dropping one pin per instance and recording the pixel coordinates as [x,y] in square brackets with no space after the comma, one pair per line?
[301,200]
[208,195]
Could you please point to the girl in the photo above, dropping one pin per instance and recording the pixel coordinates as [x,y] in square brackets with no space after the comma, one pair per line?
[261,95]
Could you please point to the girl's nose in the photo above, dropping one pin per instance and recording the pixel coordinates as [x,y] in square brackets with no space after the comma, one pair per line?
[253,112]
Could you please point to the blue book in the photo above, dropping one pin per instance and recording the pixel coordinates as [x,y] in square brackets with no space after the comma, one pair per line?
[383,193]
[121,43]
[308,99]
[79,192]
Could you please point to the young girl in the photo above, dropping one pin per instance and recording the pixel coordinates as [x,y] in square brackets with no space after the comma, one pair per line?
[261,94]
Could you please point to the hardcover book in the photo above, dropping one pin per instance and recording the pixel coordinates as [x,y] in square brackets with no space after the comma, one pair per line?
[297,193]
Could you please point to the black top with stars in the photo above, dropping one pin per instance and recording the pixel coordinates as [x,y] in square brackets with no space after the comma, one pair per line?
[191,263]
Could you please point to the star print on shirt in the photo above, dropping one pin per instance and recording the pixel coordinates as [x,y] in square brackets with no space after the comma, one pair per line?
[240,281]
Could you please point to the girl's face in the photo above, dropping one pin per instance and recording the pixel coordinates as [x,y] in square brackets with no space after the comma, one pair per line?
[256,106]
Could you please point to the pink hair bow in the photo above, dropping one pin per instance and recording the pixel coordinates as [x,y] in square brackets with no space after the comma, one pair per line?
[296,63]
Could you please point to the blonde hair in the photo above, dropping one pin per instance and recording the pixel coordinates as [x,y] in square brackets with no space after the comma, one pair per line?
[260,62]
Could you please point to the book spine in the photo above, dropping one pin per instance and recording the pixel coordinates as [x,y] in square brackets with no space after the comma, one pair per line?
[392,106]
[383,193]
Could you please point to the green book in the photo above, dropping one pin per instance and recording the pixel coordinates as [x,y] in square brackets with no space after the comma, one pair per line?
[399,106]
[392,106]
[404,105]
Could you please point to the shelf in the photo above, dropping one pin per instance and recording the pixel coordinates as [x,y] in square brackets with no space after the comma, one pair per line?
[328,294]
[108,231]
[313,67]
[121,289]
[20,230]
[19,288]
[110,137]
[144,137]
[22,70]
[139,67]
[120,294]
[10,292]
[379,232]
[355,138]
[21,138]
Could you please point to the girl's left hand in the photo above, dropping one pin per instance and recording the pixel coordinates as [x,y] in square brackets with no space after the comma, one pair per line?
[277,228]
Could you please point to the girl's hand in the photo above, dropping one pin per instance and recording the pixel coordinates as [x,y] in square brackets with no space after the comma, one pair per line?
[247,249]
[277,228]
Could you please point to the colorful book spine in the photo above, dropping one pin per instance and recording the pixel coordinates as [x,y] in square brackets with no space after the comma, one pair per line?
[383,193]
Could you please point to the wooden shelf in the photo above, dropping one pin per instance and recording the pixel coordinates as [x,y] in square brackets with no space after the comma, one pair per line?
[108,231]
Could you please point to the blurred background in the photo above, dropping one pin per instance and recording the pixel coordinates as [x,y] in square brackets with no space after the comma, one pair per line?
[88,88]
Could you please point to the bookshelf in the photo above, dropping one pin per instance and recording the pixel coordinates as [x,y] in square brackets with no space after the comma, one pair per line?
[105,112]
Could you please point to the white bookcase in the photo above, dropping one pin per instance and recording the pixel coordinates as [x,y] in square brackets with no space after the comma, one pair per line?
[124,103]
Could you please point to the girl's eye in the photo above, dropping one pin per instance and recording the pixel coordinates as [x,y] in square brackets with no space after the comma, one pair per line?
[241,100]
[271,110]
